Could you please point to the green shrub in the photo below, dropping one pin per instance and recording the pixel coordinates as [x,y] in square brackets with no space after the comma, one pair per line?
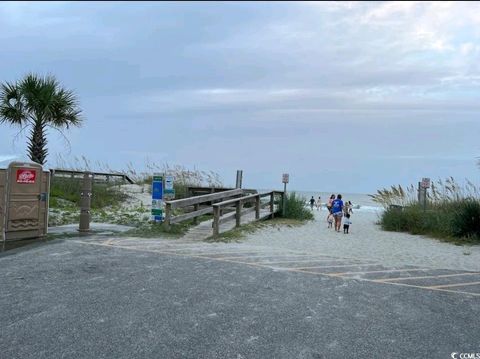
[295,208]
[459,219]
[465,220]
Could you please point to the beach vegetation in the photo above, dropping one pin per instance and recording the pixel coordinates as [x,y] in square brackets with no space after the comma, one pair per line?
[295,208]
[452,210]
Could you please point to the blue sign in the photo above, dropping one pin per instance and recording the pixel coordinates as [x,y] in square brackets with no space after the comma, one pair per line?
[157,190]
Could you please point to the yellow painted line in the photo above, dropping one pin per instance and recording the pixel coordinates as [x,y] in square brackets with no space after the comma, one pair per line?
[380,271]
[388,283]
[307,260]
[163,252]
[230,252]
[262,255]
[287,269]
[343,265]
[453,285]
[427,276]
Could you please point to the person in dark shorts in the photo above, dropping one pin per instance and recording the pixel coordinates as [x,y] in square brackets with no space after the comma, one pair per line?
[346,223]
[312,203]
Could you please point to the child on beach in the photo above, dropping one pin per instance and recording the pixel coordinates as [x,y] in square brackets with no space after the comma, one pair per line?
[330,220]
[346,223]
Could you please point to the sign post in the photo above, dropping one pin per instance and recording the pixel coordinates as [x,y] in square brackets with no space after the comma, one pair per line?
[238,183]
[157,198]
[285,180]
[422,191]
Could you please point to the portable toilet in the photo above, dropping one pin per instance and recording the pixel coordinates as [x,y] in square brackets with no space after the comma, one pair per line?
[24,192]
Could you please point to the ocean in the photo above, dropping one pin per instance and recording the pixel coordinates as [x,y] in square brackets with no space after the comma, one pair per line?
[360,201]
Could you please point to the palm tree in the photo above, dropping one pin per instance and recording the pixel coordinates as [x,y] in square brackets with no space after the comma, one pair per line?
[38,102]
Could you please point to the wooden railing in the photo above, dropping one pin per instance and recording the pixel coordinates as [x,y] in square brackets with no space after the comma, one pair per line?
[239,203]
[196,201]
[72,173]
[196,191]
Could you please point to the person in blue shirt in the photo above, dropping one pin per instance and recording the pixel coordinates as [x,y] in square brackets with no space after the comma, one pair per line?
[337,211]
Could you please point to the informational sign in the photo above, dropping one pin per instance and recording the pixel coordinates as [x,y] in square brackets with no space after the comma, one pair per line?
[157,198]
[168,183]
[26,176]
[169,190]
[285,178]
[425,182]
[157,187]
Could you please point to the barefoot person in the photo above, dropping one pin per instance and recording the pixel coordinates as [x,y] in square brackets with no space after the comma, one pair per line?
[329,204]
[312,203]
[337,211]
[319,203]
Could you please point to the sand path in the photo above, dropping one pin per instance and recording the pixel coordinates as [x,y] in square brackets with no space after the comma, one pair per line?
[366,240]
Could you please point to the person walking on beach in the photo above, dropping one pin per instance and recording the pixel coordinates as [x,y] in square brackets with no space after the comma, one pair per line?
[319,203]
[337,211]
[312,203]
[346,223]
[350,206]
[329,203]
[330,220]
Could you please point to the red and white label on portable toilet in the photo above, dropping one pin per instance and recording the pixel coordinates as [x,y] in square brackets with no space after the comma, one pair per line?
[26,176]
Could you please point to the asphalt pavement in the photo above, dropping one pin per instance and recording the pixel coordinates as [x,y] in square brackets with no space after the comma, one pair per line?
[72,299]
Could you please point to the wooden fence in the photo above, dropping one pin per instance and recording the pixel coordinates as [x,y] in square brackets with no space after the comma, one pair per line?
[239,203]
[196,202]
[57,172]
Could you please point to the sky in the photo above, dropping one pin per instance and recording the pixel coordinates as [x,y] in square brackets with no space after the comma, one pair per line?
[344,96]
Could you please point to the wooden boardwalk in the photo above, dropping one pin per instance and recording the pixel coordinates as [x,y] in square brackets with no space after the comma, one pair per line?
[204,229]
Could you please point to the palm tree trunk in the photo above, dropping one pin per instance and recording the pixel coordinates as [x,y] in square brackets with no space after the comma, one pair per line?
[37,143]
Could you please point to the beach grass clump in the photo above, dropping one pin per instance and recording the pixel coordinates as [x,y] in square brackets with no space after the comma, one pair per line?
[295,208]
[452,211]
[66,191]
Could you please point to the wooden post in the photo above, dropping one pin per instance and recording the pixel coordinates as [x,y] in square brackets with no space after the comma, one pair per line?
[239,213]
[272,203]
[195,208]
[239,179]
[85,202]
[216,219]
[257,207]
[168,215]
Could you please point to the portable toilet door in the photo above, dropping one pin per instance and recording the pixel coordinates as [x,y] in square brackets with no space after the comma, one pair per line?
[27,189]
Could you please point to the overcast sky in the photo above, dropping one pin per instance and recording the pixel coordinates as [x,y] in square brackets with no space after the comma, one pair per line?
[346,97]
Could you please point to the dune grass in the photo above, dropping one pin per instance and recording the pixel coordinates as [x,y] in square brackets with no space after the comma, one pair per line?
[295,208]
[452,212]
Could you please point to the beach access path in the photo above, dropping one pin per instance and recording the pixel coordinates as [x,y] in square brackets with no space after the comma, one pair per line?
[368,241]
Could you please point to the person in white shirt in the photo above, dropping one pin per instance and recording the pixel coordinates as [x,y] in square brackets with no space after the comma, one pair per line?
[346,223]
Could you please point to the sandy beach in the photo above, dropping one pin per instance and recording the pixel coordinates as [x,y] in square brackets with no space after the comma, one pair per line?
[367,241]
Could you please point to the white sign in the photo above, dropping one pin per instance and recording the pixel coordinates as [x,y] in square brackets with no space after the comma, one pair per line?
[285,178]
[425,183]
[168,182]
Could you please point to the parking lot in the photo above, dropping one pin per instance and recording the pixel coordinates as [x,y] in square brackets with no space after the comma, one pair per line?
[128,298]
